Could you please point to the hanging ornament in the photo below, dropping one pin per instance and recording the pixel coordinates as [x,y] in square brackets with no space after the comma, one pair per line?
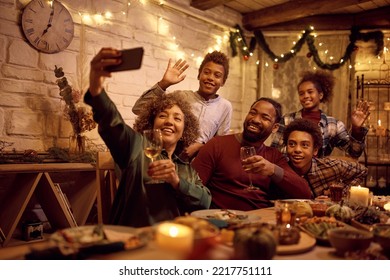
[276,66]
[246,57]
[309,55]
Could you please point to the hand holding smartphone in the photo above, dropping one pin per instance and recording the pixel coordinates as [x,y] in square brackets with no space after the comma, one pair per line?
[131,60]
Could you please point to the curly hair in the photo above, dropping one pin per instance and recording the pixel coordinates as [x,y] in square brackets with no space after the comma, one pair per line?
[323,82]
[305,126]
[145,119]
[218,58]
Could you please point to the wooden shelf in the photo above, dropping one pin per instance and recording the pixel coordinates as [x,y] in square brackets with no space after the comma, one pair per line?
[37,179]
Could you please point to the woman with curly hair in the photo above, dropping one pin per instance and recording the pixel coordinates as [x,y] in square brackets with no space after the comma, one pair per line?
[316,88]
[138,203]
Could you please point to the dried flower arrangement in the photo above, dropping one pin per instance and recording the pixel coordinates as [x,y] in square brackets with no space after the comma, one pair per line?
[80,118]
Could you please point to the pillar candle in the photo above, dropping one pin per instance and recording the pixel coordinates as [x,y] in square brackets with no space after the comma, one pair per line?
[359,196]
[175,237]
[380,130]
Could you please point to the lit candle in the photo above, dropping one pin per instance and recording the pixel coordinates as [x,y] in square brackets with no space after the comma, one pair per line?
[359,196]
[175,237]
[380,130]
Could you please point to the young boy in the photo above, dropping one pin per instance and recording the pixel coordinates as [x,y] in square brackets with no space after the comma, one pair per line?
[303,140]
[213,112]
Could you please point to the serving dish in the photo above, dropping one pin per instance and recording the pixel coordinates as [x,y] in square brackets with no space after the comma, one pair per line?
[231,217]
[318,227]
[87,236]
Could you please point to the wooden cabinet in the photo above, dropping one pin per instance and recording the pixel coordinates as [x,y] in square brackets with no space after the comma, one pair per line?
[39,180]
[377,152]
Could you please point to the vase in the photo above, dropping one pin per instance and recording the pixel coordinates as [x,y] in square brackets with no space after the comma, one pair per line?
[77,144]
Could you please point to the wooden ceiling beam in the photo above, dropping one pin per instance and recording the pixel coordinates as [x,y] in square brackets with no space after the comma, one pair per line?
[207,4]
[372,19]
[293,10]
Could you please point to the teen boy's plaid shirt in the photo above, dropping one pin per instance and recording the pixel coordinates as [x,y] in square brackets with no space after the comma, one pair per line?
[334,134]
[325,171]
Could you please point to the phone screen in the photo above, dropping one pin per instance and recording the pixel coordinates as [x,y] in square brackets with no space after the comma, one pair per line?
[131,60]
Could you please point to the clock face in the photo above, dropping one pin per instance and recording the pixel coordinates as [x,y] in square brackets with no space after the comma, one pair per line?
[47,25]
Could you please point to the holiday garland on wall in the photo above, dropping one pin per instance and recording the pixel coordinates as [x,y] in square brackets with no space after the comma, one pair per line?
[237,41]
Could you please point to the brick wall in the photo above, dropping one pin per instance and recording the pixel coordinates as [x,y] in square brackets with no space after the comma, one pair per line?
[30,104]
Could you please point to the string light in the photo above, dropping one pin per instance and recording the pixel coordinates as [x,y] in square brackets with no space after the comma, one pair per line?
[105,16]
[237,40]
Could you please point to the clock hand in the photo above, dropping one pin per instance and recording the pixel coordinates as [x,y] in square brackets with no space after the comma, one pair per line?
[50,20]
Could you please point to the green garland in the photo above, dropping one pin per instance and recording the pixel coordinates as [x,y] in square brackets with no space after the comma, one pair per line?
[237,40]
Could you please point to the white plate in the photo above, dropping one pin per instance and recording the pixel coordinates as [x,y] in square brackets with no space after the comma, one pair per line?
[84,236]
[218,214]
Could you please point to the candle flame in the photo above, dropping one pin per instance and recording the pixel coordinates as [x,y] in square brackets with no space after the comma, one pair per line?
[379,122]
[173,231]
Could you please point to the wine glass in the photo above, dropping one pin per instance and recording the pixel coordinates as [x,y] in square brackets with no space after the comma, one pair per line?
[152,145]
[246,152]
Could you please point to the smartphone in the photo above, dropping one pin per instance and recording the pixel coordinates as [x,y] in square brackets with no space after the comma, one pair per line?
[131,60]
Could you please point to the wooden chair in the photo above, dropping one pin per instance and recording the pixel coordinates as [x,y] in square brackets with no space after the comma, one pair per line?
[107,185]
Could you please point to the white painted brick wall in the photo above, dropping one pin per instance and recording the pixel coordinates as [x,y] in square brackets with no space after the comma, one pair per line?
[30,105]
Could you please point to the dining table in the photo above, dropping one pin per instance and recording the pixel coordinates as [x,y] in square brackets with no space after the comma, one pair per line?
[151,251]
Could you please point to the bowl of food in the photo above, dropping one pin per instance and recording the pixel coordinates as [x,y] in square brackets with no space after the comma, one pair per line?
[204,231]
[349,239]
[382,236]
[319,207]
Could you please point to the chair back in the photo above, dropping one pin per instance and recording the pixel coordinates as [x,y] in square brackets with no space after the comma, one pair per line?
[107,185]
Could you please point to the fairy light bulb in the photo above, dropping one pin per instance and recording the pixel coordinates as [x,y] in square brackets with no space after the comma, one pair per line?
[98,18]
[108,15]
[86,18]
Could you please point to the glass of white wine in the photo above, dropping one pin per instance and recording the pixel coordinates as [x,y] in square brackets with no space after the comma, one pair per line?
[246,152]
[152,145]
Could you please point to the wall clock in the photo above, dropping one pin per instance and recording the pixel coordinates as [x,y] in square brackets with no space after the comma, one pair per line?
[47,25]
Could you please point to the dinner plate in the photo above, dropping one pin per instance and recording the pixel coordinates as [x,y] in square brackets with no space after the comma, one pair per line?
[87,236]
[227,215]
[306,243]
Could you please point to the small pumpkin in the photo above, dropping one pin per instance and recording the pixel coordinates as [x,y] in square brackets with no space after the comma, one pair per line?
[340,212]
[254,244]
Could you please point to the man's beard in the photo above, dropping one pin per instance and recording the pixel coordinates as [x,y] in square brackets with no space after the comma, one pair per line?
[251,136]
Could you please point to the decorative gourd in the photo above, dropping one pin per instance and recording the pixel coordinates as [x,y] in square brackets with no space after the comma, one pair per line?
[340,212]
[254,244]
